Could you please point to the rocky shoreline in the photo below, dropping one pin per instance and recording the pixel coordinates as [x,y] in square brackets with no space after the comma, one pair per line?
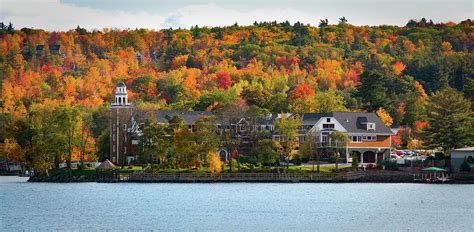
[63,179]
[364,177]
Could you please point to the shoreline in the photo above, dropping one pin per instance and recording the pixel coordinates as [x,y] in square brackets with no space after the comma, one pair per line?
[348,177]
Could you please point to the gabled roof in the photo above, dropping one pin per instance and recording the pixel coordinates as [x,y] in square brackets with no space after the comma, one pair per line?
[189,117]
[313,118]
[353,122]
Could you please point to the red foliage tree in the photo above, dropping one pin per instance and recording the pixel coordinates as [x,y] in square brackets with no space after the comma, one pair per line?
[223,79]
[302,91]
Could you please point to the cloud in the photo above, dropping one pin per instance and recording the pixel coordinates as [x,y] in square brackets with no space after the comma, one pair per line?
[214,15]
[54,15]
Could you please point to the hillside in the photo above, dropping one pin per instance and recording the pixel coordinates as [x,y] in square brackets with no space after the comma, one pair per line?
[271,67]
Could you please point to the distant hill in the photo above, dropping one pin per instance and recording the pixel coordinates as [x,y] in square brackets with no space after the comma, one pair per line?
[274,67]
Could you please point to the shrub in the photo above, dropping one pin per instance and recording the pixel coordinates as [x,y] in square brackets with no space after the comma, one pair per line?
[390,165]
[355,163]
[371,166]
[249,160]
[465,167]
[297,160]
[215,164]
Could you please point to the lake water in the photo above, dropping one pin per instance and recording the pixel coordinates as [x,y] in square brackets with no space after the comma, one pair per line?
[234,207]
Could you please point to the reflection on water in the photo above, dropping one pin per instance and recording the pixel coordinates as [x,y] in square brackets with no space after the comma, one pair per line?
[234,206]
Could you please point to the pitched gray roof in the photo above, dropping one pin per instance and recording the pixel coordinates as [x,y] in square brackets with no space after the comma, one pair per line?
[353,122]
[189,117]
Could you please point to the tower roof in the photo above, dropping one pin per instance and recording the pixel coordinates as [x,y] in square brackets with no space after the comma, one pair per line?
[121,84]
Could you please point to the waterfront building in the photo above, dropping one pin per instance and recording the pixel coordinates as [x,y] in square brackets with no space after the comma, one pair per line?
[121,122]
[458,156]
[369,138]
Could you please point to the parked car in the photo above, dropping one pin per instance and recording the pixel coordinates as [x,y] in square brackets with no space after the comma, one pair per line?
[399,153]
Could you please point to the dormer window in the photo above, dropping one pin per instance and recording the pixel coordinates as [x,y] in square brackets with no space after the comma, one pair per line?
[370,126]
[328,119]
[328,126]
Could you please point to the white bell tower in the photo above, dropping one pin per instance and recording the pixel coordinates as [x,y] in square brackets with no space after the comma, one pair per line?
[121,96]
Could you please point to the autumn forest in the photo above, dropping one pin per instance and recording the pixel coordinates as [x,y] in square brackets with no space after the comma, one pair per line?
[268,66]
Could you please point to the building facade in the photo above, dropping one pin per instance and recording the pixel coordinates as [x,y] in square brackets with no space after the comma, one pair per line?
[458,156]
[369,138]
[121,121]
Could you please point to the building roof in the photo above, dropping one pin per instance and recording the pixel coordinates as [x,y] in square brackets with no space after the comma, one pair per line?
[313,118]
[121,84]
[353,122]
[106,165]
[464,149]
[189,117]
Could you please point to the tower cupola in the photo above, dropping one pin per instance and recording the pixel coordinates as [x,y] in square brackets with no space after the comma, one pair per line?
[121,96]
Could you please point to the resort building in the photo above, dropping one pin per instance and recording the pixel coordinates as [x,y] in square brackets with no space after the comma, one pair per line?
[369,138]
[459,155]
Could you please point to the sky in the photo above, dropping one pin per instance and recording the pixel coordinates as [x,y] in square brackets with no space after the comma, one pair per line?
[63,15]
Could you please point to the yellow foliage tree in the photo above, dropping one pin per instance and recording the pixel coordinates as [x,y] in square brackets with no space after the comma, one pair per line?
[215,164]
[414,144]
[384,116]
[398,68]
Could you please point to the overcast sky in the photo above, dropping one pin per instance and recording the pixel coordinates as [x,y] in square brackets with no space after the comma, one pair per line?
[62,15]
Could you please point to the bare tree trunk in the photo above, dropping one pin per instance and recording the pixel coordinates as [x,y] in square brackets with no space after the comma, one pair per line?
[318,157]
[83,148]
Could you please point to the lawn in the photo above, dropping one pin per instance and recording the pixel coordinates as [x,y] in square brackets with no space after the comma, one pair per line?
[259,169]
[321,168]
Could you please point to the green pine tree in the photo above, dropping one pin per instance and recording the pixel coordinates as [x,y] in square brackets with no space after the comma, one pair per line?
[450,120]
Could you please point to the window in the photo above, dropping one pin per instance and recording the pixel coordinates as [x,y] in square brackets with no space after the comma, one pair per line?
[125,150]
[356,139]
[328,119]
[328,126]
[242,128]
[113,148]
[324,136]
[125,126]
[369,138]
[370,126]
[276,138]
[113,138]
[301,138]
